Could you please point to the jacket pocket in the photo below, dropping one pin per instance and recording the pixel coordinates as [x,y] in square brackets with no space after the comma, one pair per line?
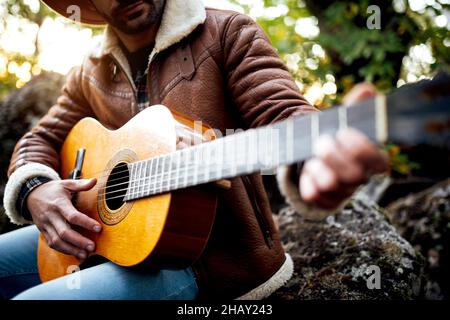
[262,221]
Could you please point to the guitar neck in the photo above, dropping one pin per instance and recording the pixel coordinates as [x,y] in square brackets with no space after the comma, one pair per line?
[254,150]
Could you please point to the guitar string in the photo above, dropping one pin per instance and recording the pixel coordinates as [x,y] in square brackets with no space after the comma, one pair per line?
[171,171]
[169,157]
[136,192]
[162,174]
[161,188]
[163,183]
[242,136]
[268,128]
[154,183]
[146,160]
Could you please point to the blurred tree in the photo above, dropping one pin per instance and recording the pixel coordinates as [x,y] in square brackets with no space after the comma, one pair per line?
[11,62]
[326,44]
[25,29]
[346,51]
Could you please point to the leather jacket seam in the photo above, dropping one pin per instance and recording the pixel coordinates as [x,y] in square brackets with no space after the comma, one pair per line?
[96,83]
[245,45]
[226,29]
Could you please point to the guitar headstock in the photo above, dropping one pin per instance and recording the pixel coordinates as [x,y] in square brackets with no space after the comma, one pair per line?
[419,113]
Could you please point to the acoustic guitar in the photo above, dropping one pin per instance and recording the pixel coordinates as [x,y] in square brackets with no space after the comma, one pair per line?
[159,176]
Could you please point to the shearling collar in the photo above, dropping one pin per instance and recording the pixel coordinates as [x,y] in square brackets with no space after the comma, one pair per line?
[180,18]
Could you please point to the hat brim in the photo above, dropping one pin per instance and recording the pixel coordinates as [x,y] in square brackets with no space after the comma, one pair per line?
[88,14]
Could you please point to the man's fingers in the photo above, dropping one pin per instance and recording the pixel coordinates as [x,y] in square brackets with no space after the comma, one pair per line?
[340,165]
[79,185]
[358,148]
[56,243]
[325,179]
[347,170]
[312,194]
[308,190]
[359,92]
[75,217]
[66,233]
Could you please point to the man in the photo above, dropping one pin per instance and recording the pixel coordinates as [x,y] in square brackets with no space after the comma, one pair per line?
[211,65]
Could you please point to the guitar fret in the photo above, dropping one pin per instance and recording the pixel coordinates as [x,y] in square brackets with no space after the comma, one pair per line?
[169,173]
[251,156]
[363,118]
[144,177]
[156,176]
[314,128]
[302,131]
[153,175]
[230,151]
[381,122]
[176,183]
[130,181]
[150,176]
[219,159]
[206,161]
[162,175]
[263,145]
[290,140]
[186,167]
[135,182]
[199,171]
[141,165]
[195,164]
[343,122]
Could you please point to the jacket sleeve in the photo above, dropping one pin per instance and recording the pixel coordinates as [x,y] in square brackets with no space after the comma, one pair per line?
[263,92]
[262,89]
[36,154]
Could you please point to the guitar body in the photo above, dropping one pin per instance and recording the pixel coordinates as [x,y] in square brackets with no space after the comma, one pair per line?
[164,230]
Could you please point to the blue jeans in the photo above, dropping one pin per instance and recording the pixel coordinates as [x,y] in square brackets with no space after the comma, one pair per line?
[19,278]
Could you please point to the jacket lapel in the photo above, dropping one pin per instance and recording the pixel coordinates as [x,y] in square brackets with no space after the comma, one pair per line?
[180,19]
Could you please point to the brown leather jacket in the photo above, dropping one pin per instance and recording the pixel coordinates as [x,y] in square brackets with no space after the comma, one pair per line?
[215,66]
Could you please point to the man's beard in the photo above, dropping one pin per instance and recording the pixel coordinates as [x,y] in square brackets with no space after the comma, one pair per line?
[139,21]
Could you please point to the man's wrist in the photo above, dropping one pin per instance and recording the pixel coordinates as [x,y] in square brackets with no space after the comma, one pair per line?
[30,185]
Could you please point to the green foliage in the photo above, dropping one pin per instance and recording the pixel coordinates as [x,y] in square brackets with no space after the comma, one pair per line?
[399,162]
[355,53]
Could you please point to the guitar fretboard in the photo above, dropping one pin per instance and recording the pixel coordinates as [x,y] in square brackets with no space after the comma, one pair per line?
[254,150]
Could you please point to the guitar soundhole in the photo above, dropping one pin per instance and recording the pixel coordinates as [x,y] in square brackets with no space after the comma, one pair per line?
[116,186]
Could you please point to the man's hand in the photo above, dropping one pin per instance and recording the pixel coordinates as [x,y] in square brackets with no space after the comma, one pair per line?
[341,163]
[52,211]
[340,166]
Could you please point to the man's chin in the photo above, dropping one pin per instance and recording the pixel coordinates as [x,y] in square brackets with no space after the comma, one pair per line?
[136,25]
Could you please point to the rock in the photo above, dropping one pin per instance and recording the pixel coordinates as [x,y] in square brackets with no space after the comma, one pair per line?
[339,258]
[424,220]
